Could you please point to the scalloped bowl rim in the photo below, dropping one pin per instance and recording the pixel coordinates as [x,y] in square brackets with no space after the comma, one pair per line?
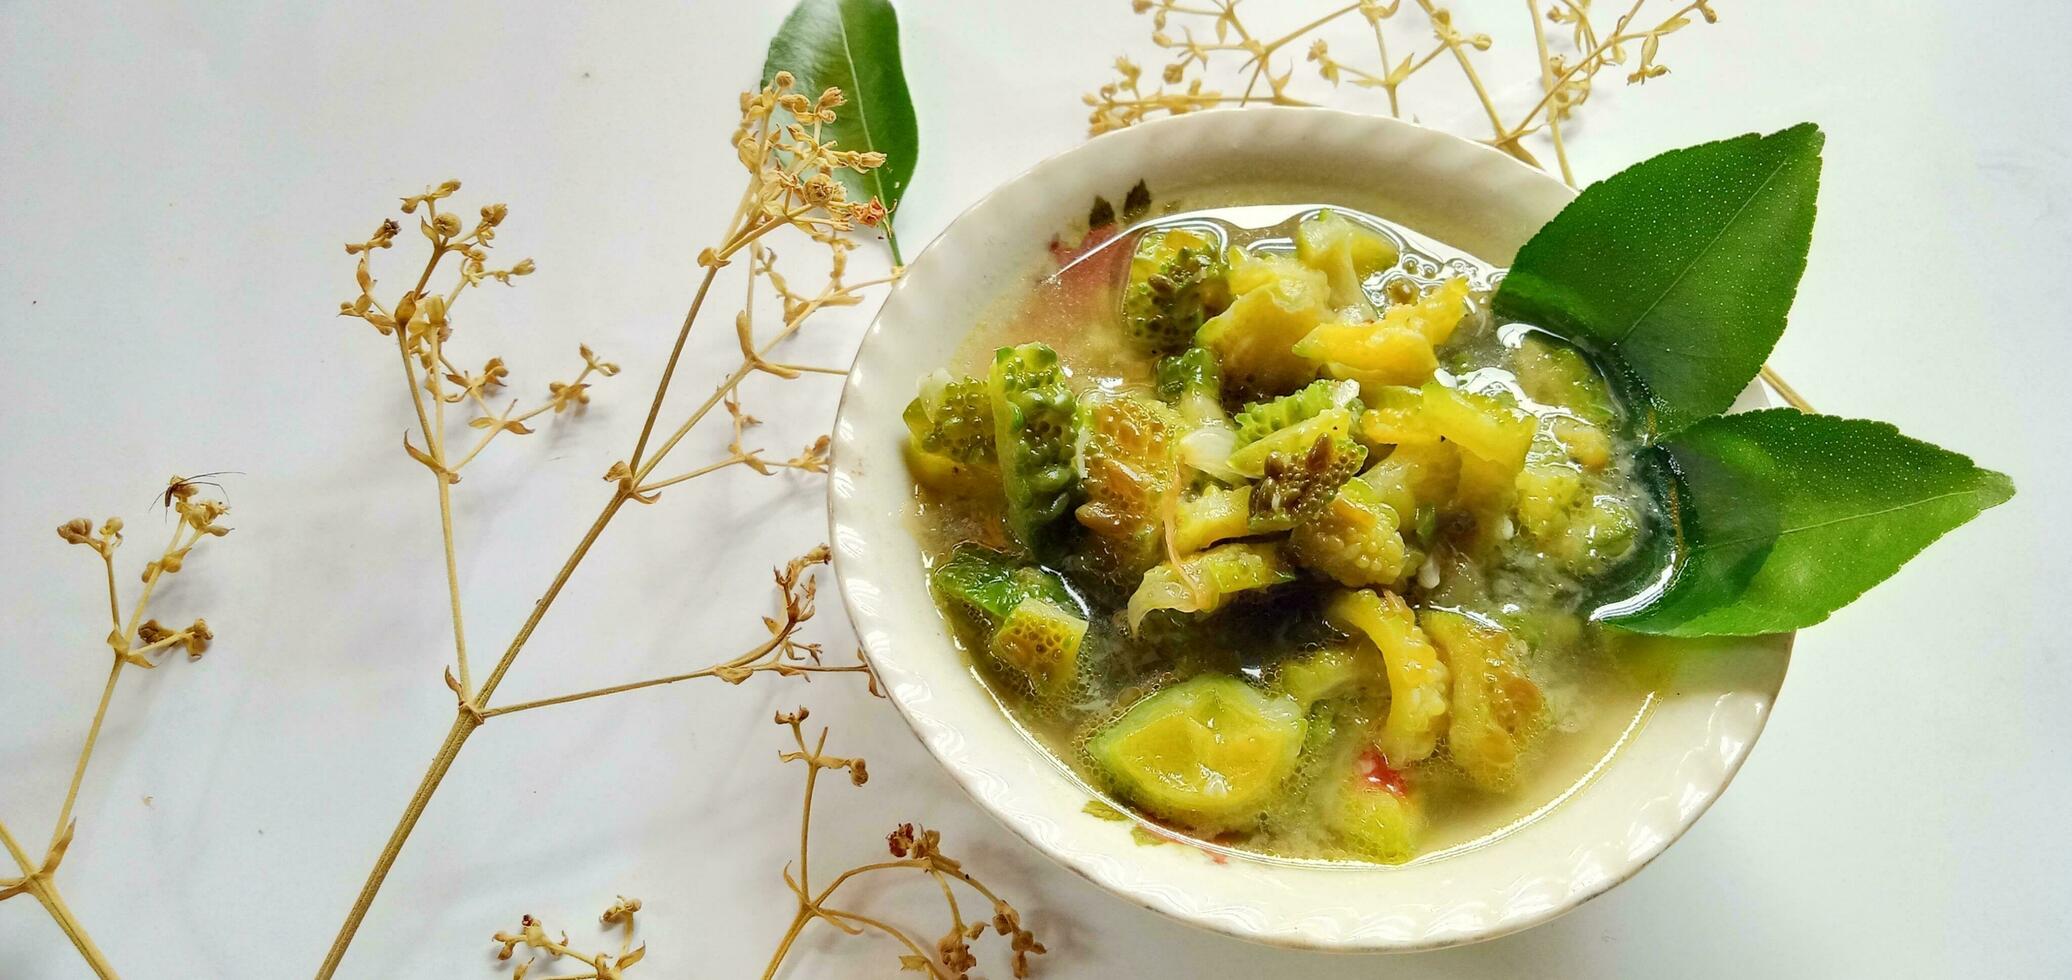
[1465,194]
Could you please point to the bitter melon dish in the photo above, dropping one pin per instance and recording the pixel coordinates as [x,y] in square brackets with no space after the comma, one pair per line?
[1262,525]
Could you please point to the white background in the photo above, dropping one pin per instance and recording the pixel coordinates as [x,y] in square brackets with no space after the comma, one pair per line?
[174,185]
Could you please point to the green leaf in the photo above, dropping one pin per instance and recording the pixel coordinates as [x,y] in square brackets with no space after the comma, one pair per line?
[1787,517]
[853,45]
[1682,266]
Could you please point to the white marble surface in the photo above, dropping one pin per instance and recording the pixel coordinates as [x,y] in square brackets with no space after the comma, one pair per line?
[174,183]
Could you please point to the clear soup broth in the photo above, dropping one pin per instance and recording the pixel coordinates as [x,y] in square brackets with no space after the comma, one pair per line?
[1290,548]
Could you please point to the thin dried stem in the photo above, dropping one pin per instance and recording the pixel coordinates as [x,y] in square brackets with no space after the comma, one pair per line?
[36,880]
[464,724]
[130,642]
[913,850]
[683,334]
[791,185]
[1564,84]
[86,749]
[783,653]
[1539,40]
[532,935]
[123,656]
[1784,390]
[1456,44]
[1185,82]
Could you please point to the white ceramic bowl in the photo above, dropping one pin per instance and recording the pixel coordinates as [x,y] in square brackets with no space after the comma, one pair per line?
[1458,192]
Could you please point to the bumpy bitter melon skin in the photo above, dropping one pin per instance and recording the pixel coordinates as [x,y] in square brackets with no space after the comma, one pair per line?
[1178,280]
[1130,461]
[1294,489]
[1558,507]
[1033,432]
[1497,711]
[987,584]
[1191,376]
[1261,419]
[952,418]
[1032,621]
[1211,752]
[1355,539]
[1291,424]
[950,434]
[1041,640]
[1418,679]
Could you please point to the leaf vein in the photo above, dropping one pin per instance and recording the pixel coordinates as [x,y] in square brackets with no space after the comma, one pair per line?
[863,117]
[1782,162]
[1712,545]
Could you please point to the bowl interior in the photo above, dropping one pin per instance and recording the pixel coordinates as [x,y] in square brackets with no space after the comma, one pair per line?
[1458,192]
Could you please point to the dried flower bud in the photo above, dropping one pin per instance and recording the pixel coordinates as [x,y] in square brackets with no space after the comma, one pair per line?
[566,396]
[782,80]
[79,530]
[493,214]
[447,224]
[870,214]
[198,637]
[955,953]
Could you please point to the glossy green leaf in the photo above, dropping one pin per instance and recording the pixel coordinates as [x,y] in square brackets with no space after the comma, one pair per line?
[853,45]
[1787,517]
[1682,266]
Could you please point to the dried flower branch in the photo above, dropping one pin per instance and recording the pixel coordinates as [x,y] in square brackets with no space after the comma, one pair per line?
[1213,35]
[532,934]
[790,185]
[912,849]
[132,642]
[783,653]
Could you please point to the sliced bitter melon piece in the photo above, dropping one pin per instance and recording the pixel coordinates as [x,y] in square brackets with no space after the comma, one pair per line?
[1210,753]
[1034,432]
[1497,711]
[1204,582]
[1418,678]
